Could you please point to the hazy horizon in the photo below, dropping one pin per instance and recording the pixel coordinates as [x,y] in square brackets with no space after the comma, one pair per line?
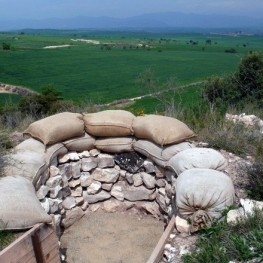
[39,9]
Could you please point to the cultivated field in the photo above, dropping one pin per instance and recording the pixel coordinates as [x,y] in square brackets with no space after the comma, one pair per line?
[107,69]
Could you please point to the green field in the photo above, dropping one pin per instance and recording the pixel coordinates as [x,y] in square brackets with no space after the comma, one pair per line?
[108,71]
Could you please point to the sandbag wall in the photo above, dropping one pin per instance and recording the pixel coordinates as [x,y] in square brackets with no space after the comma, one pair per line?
[54,160]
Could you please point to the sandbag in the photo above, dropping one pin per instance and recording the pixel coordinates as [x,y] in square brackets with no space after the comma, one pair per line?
[161,129]
[79,144]
[57,128]
[197,158]
[32,145]
[26,164]
[150,150]
[54,151]
[202,195]
[109,123]
[170,151]
[115,145]
[19,206]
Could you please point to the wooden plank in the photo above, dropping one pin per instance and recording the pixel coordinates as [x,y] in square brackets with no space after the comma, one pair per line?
[158,250]
[37,247]
[22,250]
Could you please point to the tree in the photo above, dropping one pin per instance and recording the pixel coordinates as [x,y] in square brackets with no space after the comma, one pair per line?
[6,46]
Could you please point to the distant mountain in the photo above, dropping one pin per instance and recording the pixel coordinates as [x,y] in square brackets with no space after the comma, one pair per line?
[154,20]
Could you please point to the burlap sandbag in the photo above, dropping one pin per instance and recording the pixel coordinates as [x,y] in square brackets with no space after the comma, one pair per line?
[109,123]
[57,128]
[170,151]
[19,206]
[26,164]
[161,129]
[197,158]
[150,150]
[115,145]
[79,144]
[202,195]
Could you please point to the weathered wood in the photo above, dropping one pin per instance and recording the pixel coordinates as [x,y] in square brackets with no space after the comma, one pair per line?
[158,250]
[43,249]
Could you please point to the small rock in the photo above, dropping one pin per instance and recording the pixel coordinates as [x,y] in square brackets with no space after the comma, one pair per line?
[129,178]
[122,173]
[184,250]
[117,192]
[66,191]
[73,156]
[94,207]
[72,216]
[94,152]
[150,207]
[45,204]
[94,188]
[105,161]
[66,171]
[234,215]
[79,201]
[88,164]
[86,179]
[75,167]
[84,154]
[101,196]
[42,192]
[76,192]
[74,183]
[53,171]
[106,187]
[182,225]
[54,181]
[148,180]
[111,205]
[160,183]
[109,175]
[85,206]
[54,206]
[137,179]
[54,192]
[149,166]
[69,202]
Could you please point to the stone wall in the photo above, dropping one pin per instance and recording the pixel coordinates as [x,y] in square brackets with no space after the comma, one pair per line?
[91,180]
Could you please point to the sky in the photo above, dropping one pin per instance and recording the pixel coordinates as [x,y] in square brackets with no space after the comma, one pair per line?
[41,9]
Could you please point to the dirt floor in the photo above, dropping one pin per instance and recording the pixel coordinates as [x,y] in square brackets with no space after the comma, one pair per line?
[103,237]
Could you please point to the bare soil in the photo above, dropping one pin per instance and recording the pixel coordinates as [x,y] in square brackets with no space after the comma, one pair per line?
[102,237]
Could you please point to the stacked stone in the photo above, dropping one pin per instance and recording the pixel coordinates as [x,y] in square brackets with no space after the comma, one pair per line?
[91,180]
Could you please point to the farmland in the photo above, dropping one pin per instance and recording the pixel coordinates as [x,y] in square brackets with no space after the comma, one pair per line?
[108,71]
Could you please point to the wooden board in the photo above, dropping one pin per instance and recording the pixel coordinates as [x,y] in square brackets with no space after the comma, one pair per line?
[38,245]
[158,251]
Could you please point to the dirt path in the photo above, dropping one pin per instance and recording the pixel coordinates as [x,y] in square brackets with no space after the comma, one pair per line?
[103,237]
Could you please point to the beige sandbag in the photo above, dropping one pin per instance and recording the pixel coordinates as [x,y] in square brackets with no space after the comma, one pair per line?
[197,158]
[109,123]
[32,145]
[115,145]
[150,150]
[202,195]
[170,151]
[26,164]
[57,128]
[161,129]
[19,206]
[54,151]
[79,144]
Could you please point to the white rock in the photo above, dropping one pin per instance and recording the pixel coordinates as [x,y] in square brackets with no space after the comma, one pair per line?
[54,181]
[234,215]
[94,152]
[54,192]
[129,178]
[105,161]
[53,171]
[86,179]
[73,156]
[101,196]
[88,164]
[42,192]
[109,175]
[137,179]
[69,202]
[94,188]
[76,192]
[106,187]
[72,216]
[117,192]
[75,167]
[182,225]
[66,171]
[251,205]
[84,154]
[122,173]
[74,183]
[45,204]
[149,166]
[148,180]
[79,200]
